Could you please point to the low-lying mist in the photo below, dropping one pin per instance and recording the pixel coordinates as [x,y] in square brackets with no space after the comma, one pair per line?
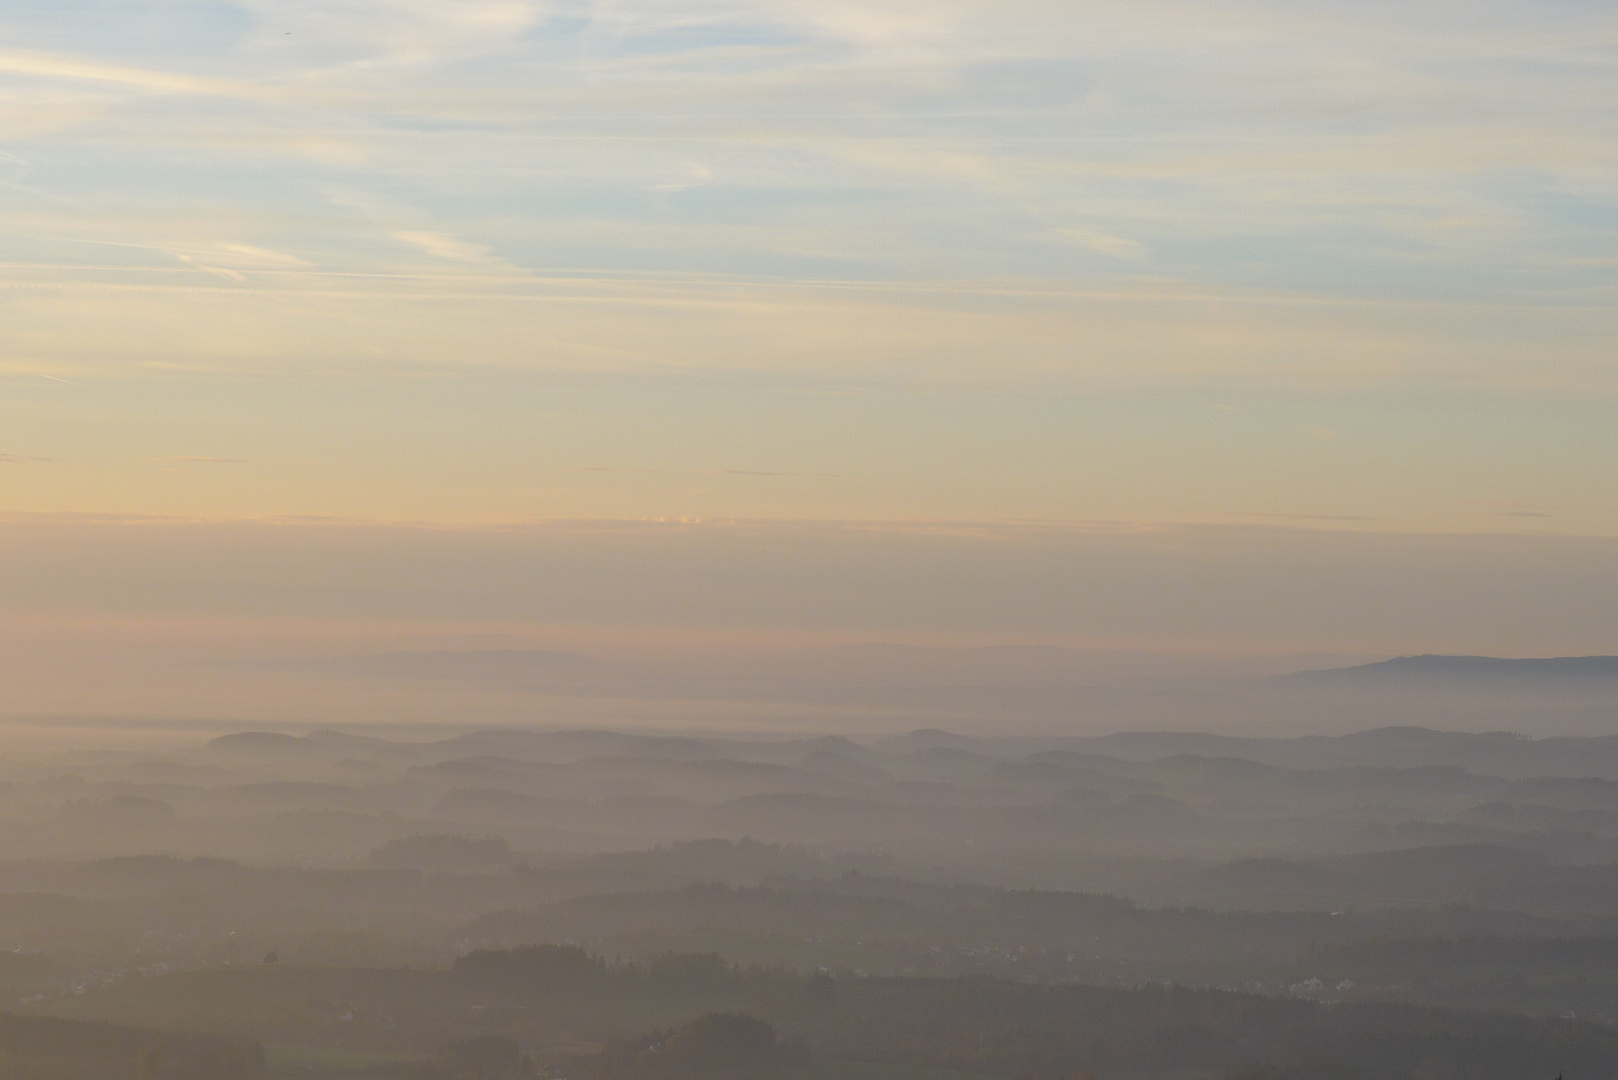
[393,901]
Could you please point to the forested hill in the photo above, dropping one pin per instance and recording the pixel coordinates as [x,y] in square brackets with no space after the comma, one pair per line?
[552,996]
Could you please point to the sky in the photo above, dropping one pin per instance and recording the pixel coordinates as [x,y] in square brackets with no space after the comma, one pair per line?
[279,278]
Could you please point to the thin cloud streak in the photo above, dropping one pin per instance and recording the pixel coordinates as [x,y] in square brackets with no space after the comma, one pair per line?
[75,68]
[1185,586]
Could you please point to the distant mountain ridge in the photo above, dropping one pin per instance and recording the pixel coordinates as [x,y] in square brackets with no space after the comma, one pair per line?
[1431,667]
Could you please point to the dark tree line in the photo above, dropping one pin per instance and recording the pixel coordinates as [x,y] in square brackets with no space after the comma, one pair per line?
[1001,1027]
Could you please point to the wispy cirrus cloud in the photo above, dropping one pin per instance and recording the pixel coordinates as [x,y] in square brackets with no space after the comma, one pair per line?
[443,246]
[1387,225]
[49,66]
[419,31]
